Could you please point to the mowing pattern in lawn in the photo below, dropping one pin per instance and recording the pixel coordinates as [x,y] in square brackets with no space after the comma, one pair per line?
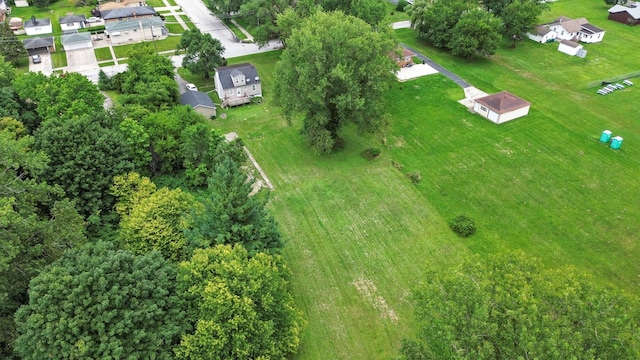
[359,233]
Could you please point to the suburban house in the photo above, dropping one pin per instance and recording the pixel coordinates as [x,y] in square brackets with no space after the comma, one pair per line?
[501,107]
[136,30]
[402,56]
[237,84]
[200,102]
[629,15]
[38,26]
[127,13]
[576,30]
[72,23]
[39,45]
[571,48]
[542,35]
[76,41]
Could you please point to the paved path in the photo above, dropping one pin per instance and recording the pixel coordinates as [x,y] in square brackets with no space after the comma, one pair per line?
[463,84]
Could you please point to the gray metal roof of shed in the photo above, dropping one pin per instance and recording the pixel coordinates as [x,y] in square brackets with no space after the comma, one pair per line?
[196,98]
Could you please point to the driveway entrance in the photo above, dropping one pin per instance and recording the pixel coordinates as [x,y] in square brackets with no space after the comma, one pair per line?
[46,66]
[81,60]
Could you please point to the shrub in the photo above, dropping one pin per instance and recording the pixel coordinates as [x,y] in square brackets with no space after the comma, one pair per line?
[414,176]
[417,60]
[396,165]
[370,153]
[463,225]
[401,5]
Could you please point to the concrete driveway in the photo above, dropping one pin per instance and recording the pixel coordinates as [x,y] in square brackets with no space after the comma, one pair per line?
[207,23]
[81,60]
[45,67]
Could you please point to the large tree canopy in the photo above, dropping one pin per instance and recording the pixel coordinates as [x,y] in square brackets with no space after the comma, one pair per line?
[202,52]
[334,71]
[97,302]
[241,306]
[509,306]
[35,227]
[86,153]
[59,97]
[477,32]
[153,220]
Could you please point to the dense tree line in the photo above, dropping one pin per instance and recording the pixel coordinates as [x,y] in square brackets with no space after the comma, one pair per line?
[272,18]
[99,208]
[470,27]
[509,306]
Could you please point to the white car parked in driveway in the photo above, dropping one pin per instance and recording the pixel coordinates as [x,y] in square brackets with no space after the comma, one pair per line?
[192,87]
[93,19]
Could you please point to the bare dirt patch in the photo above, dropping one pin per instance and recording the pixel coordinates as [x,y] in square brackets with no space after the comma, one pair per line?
[368,290]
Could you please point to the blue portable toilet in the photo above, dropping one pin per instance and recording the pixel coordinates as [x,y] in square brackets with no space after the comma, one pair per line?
[616,142]
[606,136]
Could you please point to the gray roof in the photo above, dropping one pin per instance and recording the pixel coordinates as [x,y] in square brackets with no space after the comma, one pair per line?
[72,19]
[131,24]
[128,12]
[588,28]
[36,43]
[543,30]
[225,73]
[75,38]
[196,98]
[38,22]
[634,12]
[573,44]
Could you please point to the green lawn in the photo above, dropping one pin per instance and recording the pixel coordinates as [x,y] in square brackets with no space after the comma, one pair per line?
[360,234]
[174,28]
[167,44]
[187,21]
[394,15]
[103,53]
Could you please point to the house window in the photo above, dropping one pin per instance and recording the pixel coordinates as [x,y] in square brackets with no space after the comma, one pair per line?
[230,92]
[253,88]
[239,91]
[483,108]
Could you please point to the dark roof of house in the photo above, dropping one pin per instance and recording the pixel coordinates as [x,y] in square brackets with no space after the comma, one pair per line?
[36,43]
[128,12]
[75,38]
[591,29]
[37,22]
[634,12]
[196,98]
[226,72]
[573,44]
[72,19]
[503,102]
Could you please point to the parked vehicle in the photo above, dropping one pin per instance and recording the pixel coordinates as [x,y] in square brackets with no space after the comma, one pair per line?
[93,19]
[36,59]
[192,87]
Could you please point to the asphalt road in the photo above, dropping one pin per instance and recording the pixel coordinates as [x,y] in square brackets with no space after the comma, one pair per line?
[207,23]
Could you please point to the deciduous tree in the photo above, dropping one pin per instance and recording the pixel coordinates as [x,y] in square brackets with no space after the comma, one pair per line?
[85,154]
[520,17]
[509,306]
[36,224]
[97,302]
[335,70]
[435,20]
[240,306]
[264,14]
[476,33]
[203,53]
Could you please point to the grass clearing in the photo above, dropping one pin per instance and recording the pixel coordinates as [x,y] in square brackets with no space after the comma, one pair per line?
[394,15]
[360,234]
[103,53]
[174,28]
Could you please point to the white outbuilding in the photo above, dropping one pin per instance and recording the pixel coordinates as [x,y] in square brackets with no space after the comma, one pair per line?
[501,107]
